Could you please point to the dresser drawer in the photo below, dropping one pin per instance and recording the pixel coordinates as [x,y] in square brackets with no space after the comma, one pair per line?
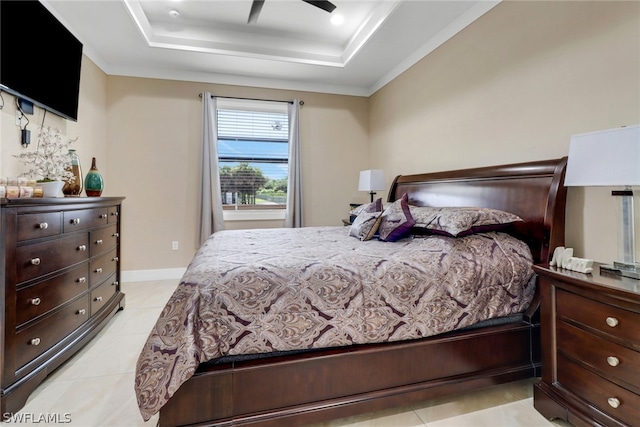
[38,299]
[84,219]
[103,267]
[620,324]
[41,258]
[114,215]
[611,360]
[34,226]
[103,239]
[102,294]
[42,335]
[599,392]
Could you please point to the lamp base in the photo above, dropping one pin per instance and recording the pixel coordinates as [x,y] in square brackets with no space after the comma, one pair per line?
[622,269]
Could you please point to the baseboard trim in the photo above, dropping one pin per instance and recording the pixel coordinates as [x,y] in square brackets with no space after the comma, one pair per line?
[149,275]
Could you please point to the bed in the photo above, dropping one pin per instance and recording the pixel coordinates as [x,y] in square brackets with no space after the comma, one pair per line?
[297,360]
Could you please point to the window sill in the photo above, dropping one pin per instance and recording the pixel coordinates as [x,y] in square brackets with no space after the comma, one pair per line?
[254,215]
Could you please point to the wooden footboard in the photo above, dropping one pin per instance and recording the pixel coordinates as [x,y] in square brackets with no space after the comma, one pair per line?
[307,388]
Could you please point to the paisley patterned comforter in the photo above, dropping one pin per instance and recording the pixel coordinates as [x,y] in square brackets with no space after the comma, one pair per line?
[257,291]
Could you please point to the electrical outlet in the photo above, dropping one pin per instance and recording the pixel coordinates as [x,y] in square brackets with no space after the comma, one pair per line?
[18,118]
[174,245]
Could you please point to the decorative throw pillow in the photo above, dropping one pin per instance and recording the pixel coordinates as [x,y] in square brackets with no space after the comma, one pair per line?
[375,206]
[461,221]
[365,225]
[396,220]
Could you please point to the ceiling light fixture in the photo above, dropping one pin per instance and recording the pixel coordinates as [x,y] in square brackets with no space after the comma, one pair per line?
[337,19]
[174,13]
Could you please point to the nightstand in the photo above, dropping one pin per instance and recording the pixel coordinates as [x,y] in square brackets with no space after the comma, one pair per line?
[590,332]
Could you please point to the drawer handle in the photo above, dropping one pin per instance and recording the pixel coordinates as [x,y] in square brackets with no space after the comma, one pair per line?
[114,213]
[75,221]
[82,311]
[116,259]
[613,361]
[82,279]
[43,225]
[36,301]
[35,261]
[99,242]
[98,299]
[34,341]
[82,248]
[115,283]
[614,402]
[612,321]
[103,216]
[116,234]
[98,270]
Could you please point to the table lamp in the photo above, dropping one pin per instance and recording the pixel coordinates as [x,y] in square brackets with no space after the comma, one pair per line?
[372,180]
[611,158]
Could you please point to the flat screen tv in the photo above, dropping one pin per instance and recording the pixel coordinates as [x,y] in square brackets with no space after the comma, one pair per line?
[39,58]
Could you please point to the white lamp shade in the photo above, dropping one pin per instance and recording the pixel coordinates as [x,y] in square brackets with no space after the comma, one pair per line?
[371,180]
[604,158]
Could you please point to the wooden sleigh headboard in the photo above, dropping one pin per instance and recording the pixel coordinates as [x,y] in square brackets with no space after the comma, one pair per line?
[534,191]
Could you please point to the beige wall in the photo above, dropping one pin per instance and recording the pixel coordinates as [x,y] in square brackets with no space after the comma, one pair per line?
[514,86]
[90,129]
[154,129]
[145,134]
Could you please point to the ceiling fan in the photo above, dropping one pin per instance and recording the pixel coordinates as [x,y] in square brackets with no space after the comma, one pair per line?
[256,7]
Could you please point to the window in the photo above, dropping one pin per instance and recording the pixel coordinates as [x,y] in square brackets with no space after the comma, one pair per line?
[253,153]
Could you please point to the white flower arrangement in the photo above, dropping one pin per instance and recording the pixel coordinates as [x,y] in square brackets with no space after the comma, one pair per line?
[50,161]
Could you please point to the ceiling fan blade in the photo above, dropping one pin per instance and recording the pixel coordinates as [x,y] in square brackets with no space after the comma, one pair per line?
[324,5]
[256,7]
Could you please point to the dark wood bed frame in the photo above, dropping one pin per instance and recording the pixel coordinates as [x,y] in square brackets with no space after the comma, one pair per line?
[297,390]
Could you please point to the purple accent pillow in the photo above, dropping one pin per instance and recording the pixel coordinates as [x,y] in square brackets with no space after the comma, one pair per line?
[460,221]
[396,221]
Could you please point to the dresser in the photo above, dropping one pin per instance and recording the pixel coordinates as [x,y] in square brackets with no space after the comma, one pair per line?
[590,331]
[60,285]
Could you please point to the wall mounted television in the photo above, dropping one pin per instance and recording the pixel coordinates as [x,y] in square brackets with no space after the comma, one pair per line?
[40,59]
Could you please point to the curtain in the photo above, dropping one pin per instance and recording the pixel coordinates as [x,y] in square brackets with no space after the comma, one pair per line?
[210,219]
[293,216]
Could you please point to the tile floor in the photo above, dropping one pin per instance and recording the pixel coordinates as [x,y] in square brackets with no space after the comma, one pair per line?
[95,387]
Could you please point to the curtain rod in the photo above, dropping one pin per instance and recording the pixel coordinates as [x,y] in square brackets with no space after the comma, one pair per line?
[250,99]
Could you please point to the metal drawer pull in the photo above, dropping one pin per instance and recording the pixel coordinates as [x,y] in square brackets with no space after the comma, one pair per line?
[612,321]
[82,279]
[103,216]
[114,213]
[75,221]
[116,259]
[99,242]
[98,270]
[36,301]
[34,341]
[98,299]
[614,402]
[115,283]
[82,311]
[116,235]
[43,225]
[613,361]
[35,261]
[82,248]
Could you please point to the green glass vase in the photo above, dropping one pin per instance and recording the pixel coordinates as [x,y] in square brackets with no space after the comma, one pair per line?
[93,182]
